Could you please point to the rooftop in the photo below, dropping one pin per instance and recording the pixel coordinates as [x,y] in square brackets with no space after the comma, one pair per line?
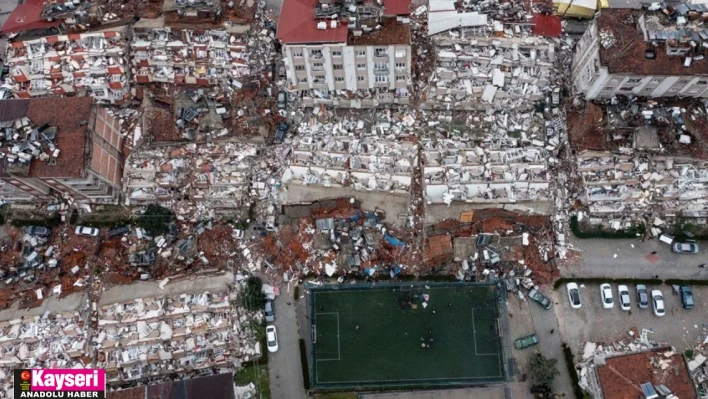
[623,48]
[622,376]
[27,16]
[215,386]
[300,25]
[71,130]
[391,32]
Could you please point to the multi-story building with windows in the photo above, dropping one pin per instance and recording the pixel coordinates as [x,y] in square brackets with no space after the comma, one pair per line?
[361,48]
[643,53]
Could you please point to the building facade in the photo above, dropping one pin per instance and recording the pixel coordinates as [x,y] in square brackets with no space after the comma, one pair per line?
[325,55]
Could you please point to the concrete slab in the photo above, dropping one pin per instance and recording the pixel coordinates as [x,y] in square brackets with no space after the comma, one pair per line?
[497,392]
[54,305]
[194,285]
[438,212]
[395,205]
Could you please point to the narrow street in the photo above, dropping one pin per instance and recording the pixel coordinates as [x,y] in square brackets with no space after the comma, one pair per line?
[285,367]
[549,344]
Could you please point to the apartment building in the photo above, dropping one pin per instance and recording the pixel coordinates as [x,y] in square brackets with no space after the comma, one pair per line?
[360,48]
[54,153]
[648,53]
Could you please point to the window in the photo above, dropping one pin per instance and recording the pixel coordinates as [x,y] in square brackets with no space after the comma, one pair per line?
[297,54]
[683,80]
[609,88]
[673,90]
[339,78]
[694,91]
[614,80]
[38,65]
[702,82]
[381,78]
[380,66]
[634,80]
[299,67]
[302,80]
[317,65]
[318,79]
[116,78]
[400,77]
[359,78]
[337,67]
[360,66]
[400,53]
[361,53]
[117,94]
[336,53]
[37,84]
[626,89]
[380,52]
[648,89]
[316,53]
[656,80]
[400,65]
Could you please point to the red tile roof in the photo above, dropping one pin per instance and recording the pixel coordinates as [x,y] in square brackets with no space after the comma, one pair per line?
[27,16]
[397,7]
[546,25]
[68,114]
[298,25]
[627,54]
[621,377]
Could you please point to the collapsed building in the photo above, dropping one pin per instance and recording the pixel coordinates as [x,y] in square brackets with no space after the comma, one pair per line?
[642,159]
[49,153]
[347,54]
[482,64]
[151,338]
[90,64]
[654,52]
[200,57]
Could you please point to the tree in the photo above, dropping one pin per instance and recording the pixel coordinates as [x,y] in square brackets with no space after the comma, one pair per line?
[543,371]
[155,219]
[252,296]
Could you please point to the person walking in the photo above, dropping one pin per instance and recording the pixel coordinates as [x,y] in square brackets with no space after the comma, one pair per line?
[653,253]
[553,330]
[702,266]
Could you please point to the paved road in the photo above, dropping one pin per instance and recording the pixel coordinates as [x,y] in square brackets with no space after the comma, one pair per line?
[634,259]
[285,367]
[550,344]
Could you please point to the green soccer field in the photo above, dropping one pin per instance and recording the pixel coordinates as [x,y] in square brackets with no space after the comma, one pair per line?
[398,341]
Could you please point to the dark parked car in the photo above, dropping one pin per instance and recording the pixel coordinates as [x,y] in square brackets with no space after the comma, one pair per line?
[39,231]
[280,133]
[282,99]
[269,311]
[686,297]
[642,296]
[118,231]
[538,297]
[525,342]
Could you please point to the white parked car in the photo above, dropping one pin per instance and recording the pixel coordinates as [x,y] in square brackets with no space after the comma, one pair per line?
[272,338]
[87,231]
[608,302]
[623,297]
[573,295]
[658,299]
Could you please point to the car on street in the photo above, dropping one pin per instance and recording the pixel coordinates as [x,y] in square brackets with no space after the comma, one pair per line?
[642,296]
[573,295]
[86,231]
[608,302]
[686,297]
[118,231]
[540,298]
[281,131]
[623,297]
[657,299]
[525,342]
[39,231]
[269,311]
[685,247]
[272,339]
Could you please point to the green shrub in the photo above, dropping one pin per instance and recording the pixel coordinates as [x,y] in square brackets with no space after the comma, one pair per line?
[52,221]
[635,231]
[252,296]
[155,219]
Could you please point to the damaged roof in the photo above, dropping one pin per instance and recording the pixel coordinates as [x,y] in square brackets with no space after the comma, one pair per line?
[27,16]
[71,130]
[627,53]
[214,386]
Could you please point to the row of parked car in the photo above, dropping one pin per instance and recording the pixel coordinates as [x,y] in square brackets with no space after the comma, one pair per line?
[271,334]
[642,295]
